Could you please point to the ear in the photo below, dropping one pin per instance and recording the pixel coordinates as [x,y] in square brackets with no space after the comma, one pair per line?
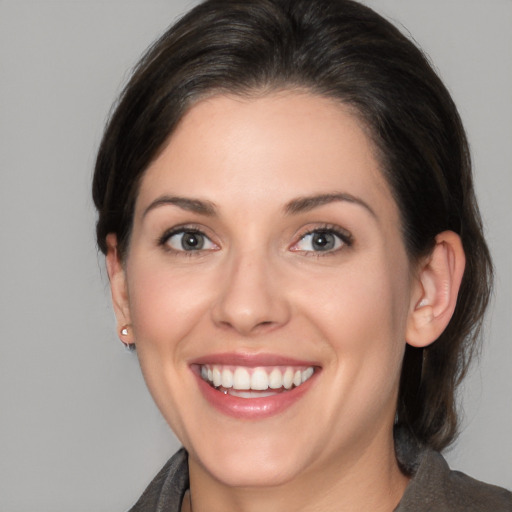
[119,290]
[435,296]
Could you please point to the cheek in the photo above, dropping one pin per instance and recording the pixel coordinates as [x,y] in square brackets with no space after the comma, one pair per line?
[167,310]
[164,304]
[362,313]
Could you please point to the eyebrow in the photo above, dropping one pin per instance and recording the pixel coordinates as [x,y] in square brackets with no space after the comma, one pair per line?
[299,205]
[192,205]
[305,204]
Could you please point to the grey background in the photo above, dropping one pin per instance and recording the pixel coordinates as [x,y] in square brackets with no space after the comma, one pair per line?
[78,430]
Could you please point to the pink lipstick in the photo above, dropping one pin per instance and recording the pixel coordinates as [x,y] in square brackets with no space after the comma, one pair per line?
[253,386]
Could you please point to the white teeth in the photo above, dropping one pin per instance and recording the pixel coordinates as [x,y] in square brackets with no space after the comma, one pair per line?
[250,394]
[307,374]
[227,378]
[253,382]
[288,378]
[259,380]
[241,379]
[275,379]
[217,379]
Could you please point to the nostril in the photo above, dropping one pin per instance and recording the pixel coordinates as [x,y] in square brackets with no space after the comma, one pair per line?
[266,325]
[249,328]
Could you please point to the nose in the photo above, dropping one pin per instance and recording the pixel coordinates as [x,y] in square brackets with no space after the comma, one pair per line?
[252,298]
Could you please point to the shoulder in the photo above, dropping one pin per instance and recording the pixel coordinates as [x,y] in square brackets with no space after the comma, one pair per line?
[434,487]
[166,490]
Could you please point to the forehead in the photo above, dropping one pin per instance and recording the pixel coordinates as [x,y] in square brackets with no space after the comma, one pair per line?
[268,149]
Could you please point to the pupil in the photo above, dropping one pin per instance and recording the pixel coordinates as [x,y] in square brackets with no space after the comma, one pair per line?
[323,241]
[191,241]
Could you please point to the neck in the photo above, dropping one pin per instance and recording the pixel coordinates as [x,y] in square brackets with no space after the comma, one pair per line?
[372,481]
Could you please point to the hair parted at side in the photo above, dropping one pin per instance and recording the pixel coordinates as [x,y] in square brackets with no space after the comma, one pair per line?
[342,50]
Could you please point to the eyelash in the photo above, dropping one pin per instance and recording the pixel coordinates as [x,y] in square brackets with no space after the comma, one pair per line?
[344,237]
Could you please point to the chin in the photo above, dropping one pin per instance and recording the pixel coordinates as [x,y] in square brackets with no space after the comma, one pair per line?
[250,463]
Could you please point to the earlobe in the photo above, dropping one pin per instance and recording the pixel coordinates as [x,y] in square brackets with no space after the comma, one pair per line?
[438,283]
[118,288]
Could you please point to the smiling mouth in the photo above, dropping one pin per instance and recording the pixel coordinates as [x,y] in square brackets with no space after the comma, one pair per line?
[257,382]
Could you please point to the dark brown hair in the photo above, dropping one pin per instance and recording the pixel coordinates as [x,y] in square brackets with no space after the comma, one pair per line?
[343,50]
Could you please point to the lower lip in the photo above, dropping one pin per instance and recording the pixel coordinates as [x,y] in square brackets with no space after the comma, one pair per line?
[253,408]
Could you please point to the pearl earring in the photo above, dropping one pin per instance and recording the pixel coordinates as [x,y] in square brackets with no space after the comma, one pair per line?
[124,332]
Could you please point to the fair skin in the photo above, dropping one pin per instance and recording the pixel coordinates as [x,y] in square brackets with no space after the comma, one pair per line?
[265,235]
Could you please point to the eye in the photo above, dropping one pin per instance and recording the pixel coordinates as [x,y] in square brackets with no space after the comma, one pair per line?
[321,240]
[188,240]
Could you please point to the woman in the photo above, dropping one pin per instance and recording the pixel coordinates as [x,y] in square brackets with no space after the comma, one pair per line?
[294,247]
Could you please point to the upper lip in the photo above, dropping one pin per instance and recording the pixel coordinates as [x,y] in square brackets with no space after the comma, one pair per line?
[251,360]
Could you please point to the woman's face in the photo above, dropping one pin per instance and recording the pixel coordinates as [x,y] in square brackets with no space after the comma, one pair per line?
[266,251]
